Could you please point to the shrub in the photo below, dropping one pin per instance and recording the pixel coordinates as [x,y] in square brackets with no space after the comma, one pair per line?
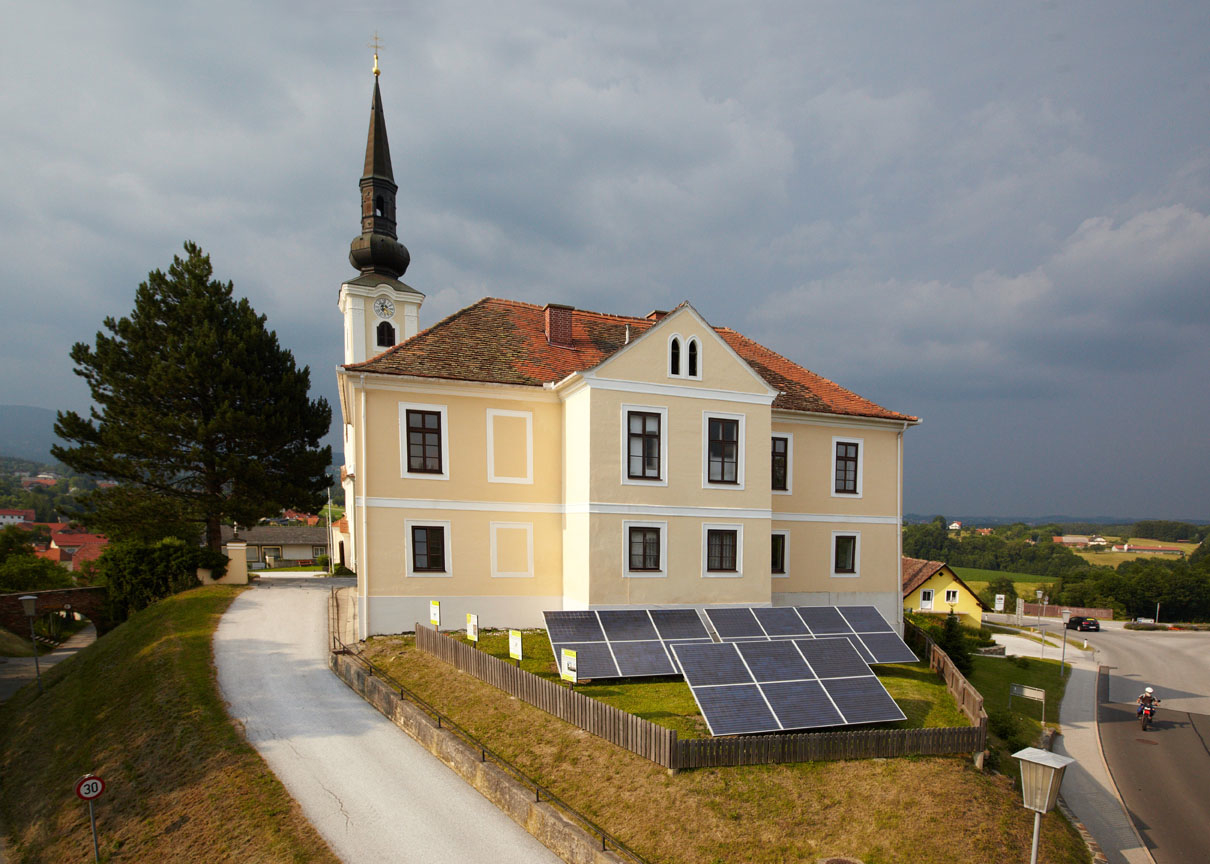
[139,574]
[322,561]
[953,643]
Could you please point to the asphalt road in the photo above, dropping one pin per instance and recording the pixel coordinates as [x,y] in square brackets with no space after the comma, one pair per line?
[16,672]
[369,789]
[1163,774]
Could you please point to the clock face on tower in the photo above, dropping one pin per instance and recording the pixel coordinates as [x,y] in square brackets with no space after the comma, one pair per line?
[384,308]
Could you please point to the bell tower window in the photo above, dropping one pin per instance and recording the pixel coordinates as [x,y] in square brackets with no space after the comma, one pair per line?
[378,206]
[386,335]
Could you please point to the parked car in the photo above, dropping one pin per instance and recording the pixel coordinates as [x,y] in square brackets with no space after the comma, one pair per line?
[1090,624]
[1075,622]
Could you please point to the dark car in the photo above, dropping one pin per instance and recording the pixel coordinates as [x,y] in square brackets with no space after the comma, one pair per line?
[1089,624]
[1076,622]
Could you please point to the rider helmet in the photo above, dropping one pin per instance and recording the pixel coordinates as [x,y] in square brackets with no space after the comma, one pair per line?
[1149,690]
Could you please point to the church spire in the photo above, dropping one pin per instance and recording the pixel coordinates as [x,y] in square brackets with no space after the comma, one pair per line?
[378,250]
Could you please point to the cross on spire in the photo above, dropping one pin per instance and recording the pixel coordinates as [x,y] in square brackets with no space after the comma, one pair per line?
[375,44]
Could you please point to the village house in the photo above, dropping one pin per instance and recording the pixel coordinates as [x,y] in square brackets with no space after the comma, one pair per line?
[515,458]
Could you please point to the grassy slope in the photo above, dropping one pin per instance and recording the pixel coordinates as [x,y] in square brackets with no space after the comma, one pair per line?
[12,645]
[938,810]
[141,709]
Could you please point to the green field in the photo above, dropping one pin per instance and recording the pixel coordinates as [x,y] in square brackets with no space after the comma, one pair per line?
[1025,584]
[1110,558]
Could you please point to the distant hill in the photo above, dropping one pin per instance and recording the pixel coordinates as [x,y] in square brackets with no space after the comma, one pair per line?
[27,432]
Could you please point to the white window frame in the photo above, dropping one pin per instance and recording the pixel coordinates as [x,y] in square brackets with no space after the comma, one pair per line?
[698,342]
[446,456]
[785,554]
[738,528]
[408,525]
[662,410]
[948,592]
[668,373]
[528,417]
[789,436]
[856,555]
[662,573]
[741,449]
[926,599]
[493,529]
[847,439]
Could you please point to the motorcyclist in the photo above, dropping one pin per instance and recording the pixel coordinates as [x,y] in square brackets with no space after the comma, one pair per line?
[1147,697]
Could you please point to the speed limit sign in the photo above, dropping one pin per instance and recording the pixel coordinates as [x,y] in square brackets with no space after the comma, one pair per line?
[89,787]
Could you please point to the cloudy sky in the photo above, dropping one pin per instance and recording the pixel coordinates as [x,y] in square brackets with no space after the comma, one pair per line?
[994,216]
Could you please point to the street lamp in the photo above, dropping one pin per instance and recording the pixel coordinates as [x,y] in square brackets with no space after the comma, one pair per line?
[29,603]
[1041,776]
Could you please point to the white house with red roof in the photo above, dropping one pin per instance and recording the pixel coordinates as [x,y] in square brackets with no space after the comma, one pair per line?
[515,458]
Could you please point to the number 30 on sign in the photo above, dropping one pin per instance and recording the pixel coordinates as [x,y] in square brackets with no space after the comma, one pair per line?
[89,787]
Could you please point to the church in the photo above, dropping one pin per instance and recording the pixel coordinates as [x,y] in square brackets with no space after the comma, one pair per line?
[515,458]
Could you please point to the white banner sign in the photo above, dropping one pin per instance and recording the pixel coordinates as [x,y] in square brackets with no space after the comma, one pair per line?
[999,602]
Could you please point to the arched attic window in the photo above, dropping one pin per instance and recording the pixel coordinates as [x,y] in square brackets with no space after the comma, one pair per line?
[693,361]
[386,335]
[674,356]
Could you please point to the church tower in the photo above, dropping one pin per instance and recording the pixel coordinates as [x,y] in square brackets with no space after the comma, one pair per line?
[379,310]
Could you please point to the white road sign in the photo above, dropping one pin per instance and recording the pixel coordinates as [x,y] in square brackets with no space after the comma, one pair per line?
[89,787]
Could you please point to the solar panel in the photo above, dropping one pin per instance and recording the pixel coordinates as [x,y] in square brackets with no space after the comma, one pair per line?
[642,658]
[710,664]
[780,621]
[679,624]
[672,654]
[774,661]
[750,687]
[626,624]
[735,709]
[832,658]
[824,620]
[735,623]
[863,700]
[573,626]
[865,619]
[802,704]
[859,646]
[888,648]
[593,659]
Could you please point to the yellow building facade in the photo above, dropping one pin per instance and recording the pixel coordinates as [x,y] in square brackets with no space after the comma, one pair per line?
[515,458]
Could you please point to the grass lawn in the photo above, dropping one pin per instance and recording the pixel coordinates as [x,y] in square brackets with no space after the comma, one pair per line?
[877,810]
[12,645]
[1021,725]
[141,709]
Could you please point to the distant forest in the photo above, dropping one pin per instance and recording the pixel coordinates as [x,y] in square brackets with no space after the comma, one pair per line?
[1180,585]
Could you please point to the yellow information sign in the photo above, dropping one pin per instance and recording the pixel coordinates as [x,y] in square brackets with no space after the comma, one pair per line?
[472,627]
[514,644]
[567,666]
[435,614]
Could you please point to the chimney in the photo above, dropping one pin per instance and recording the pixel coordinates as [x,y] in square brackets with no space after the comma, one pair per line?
[558,324]
[656,314]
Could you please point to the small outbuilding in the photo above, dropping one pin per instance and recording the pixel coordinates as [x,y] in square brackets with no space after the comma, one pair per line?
[932,588]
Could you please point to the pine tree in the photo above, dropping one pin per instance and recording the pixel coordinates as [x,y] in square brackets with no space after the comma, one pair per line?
[196,404]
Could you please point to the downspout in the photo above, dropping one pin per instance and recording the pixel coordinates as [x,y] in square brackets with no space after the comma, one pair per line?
[899,531]
[363,551]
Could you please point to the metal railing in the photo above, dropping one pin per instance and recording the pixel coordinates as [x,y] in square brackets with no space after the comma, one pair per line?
[444,721]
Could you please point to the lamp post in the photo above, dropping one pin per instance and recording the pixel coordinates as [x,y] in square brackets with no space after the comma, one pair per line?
[1041,776]
[29,603]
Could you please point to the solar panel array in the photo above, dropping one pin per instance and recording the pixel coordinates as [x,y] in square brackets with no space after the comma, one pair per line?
[863,626]
[774,685]
[776,668]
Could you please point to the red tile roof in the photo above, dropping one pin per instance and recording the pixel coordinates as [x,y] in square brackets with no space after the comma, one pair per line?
[917,571]
[504,342]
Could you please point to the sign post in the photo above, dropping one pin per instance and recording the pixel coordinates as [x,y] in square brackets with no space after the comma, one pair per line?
[1066,616]
[1020,610]
[1027,692]
[435,614]
[89,788]
[514,645]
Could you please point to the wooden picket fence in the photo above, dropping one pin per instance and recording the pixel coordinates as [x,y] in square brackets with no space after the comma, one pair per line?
[614,725]
[662,746]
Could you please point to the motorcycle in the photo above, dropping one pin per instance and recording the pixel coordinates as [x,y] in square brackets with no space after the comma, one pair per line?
[1145,716]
